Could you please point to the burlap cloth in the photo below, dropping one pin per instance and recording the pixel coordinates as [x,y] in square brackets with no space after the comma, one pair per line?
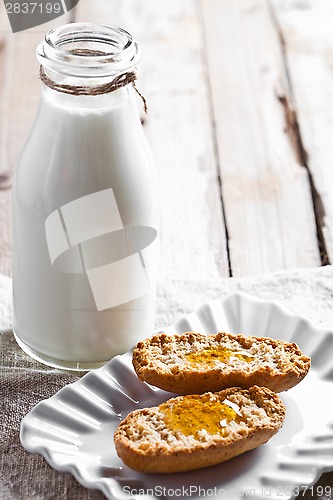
[25,382]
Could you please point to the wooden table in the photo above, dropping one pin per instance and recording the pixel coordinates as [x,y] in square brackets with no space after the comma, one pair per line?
[240,96]
[240,121]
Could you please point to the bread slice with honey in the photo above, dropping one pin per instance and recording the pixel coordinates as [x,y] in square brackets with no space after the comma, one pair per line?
[195,431]
[196,363]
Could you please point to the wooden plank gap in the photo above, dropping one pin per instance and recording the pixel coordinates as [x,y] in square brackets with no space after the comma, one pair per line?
[267,196]
[295,136]
[206,77]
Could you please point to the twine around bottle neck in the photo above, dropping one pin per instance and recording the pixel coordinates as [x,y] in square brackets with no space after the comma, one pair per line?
[118,82]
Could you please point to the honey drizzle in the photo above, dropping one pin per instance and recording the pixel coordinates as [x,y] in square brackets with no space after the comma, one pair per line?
[213,355]
[198,413]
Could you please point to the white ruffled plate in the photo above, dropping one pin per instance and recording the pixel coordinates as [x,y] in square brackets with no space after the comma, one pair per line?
[74,428]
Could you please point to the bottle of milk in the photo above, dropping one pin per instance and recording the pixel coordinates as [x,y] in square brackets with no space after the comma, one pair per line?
[84,205]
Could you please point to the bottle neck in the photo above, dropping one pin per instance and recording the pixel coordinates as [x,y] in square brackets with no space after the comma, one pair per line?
[87,52]
[86,102]
[87,65]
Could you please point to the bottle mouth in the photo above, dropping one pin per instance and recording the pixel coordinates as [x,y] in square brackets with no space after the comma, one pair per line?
[88,50]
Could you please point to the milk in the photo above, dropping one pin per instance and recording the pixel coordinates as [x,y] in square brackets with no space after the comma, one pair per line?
[84,231]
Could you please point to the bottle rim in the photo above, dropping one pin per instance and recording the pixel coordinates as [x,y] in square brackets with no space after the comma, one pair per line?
[112,50]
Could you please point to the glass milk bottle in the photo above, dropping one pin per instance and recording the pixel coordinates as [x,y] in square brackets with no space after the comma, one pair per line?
[84,205]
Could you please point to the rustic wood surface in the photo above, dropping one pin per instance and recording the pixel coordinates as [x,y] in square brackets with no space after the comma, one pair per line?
[240,98]
[306,34]
[265,189]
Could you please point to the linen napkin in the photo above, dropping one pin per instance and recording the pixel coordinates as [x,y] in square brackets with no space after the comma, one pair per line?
[24,382]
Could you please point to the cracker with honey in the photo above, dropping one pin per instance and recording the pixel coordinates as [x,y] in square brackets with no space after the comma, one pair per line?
[195,431]
[196,363]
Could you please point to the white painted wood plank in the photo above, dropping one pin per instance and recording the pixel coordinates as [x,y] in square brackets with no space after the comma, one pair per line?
[266,192]
[179,129]
[307,30]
